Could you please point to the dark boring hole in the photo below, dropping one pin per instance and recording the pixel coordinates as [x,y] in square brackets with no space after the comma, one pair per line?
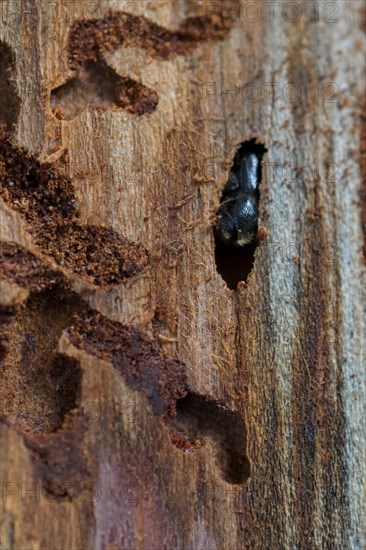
[236,229]
[198,417]
[234,264]
[9,99]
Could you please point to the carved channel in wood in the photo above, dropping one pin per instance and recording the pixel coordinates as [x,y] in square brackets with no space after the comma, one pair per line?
[98,86]
[43,386]
[39,386]
[45,197]
[95,85]
[198,419]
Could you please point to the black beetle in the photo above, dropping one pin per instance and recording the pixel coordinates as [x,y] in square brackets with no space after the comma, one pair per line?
[237,217]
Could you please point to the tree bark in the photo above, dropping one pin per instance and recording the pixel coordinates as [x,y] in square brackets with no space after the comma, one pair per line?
[145,404]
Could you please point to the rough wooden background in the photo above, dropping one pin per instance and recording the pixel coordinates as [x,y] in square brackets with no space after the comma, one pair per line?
[144,404]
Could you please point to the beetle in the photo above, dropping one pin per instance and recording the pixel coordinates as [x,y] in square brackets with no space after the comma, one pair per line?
[237,217]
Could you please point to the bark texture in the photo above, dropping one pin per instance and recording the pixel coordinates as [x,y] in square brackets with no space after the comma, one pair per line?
[146,405]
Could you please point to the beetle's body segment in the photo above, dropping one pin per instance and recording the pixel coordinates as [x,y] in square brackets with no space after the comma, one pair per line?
[237,218]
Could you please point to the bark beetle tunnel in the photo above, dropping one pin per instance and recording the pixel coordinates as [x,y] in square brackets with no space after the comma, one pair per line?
[236,229]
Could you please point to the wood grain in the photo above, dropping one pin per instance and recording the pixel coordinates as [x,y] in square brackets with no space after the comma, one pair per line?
[145,405]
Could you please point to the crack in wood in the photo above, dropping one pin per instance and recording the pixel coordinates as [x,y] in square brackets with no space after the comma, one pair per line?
[10,100]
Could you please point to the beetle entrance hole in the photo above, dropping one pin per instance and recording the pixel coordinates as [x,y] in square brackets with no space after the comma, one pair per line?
[236,229]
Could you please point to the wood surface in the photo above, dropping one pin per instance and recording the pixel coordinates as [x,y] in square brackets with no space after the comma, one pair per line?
[146,405]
